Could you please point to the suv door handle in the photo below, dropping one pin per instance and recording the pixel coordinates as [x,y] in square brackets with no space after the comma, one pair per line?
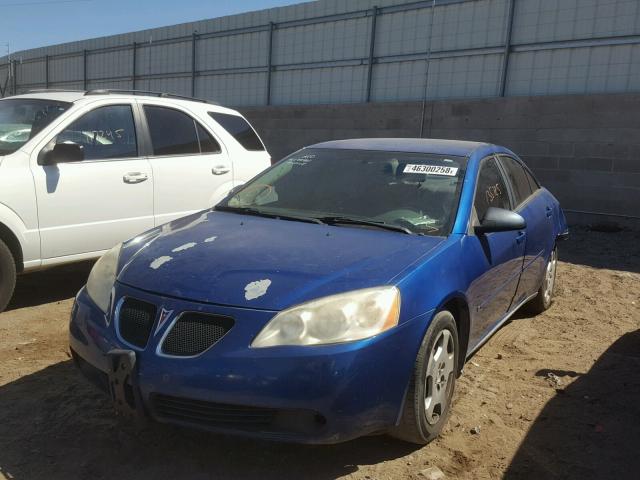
[220,170]
[135,177]
[520,237]
[549,211]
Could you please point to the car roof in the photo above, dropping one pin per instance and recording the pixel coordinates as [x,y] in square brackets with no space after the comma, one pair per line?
[409,145]
[77,96]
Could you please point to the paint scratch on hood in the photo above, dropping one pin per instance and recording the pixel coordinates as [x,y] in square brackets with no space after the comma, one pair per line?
[210,239]
[256,289]
[186,246]
[158,262]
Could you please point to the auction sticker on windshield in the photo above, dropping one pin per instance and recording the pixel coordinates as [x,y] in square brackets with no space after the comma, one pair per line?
[431,170]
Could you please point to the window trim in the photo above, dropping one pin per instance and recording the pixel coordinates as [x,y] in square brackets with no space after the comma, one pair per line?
[136,125]
[150,151]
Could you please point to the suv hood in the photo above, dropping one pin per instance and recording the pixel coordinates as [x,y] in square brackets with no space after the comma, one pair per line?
[263,263]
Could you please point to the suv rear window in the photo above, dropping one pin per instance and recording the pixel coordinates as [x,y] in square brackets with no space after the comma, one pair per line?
[240,129]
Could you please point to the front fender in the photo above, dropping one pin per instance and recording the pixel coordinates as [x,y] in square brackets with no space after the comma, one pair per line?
[29,240]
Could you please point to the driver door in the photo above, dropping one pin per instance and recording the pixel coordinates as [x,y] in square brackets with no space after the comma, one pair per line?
[93,188]
[501,255]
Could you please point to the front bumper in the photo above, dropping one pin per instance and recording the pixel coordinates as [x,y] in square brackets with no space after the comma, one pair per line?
[320,394]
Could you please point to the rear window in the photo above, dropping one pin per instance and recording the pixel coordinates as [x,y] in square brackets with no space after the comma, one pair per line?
[240,129]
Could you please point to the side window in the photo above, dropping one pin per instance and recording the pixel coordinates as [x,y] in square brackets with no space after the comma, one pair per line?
[104,133]
[240,129]
[491,190]
[172,132]
[517,178]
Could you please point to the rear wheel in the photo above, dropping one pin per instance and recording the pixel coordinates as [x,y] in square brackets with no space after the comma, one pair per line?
[428,400]
[544,298]
[7,275]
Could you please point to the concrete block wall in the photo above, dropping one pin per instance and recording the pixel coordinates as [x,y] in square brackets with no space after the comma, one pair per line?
[583,148]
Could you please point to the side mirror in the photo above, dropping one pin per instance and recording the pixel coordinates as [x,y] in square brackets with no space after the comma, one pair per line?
[61,153]
[500,220]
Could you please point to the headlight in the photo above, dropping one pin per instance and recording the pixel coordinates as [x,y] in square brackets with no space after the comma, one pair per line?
[335,319]
[102,278]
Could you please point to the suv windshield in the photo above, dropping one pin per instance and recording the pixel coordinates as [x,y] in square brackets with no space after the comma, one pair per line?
[410,192]
[21,119]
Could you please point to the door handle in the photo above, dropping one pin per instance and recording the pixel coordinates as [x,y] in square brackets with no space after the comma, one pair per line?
[135,177]
[521,236]
[220,170]
[549,211]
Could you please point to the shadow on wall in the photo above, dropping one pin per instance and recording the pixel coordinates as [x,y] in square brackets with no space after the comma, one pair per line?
[50,285]
[590,429]
[54,425]
[614,250]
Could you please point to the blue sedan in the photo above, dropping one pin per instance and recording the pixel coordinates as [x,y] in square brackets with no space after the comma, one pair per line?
[337,294]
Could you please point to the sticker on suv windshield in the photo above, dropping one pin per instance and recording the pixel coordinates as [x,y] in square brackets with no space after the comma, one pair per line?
[431,170]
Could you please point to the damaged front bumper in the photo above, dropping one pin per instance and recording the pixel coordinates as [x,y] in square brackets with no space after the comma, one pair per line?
[321,394]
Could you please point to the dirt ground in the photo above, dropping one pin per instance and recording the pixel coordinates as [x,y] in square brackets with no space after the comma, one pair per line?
[554,396]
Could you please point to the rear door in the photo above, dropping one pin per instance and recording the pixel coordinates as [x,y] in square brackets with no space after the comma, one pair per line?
[501,253]
[190,165]
[90,202]
[537,211]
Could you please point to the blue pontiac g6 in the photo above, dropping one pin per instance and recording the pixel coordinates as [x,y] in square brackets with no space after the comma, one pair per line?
[337,294]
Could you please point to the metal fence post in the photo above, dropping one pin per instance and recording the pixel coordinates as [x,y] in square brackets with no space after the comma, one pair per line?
[272,27]
[372,46]
[194,39]
[84,69]
[15,77]
[507,48]
[133,66]
[46,71]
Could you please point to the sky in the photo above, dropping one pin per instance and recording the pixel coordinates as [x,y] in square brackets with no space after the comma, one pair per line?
[37,23]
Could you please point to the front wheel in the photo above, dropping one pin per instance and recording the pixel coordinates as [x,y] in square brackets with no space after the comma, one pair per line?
[430,391]
[7,275]
[544,298]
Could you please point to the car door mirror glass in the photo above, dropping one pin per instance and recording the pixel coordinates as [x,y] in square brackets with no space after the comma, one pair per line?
[500,220]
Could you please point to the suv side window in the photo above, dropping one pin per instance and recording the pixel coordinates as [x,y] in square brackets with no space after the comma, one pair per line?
[176,133]
[239,129]
[491,189]
[104,133]
[518,178]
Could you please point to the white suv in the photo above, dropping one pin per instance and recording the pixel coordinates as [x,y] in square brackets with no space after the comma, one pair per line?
[82,171]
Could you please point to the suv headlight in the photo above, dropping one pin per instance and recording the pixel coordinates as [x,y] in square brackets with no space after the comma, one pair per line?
[335,319]
[103,277]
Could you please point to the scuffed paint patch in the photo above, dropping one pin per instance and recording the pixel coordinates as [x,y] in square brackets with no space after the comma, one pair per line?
[210,239]
[158,262]
[186,246]
[256,289]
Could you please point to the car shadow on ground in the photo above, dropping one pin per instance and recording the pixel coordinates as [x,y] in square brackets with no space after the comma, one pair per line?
[51,285]
[590,428]
[55,425]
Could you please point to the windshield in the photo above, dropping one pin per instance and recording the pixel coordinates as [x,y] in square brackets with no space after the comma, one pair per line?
[21,119]
[418,192]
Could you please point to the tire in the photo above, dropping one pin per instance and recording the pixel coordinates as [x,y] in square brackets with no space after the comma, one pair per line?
[7,275]
[425,411]
[544,298]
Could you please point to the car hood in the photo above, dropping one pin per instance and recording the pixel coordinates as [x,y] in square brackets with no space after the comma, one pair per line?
[263,263]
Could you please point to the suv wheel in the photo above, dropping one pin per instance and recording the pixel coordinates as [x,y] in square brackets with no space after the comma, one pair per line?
[7,275]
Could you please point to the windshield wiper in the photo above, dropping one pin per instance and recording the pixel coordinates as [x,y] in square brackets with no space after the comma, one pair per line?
[261,213]
[369,223]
